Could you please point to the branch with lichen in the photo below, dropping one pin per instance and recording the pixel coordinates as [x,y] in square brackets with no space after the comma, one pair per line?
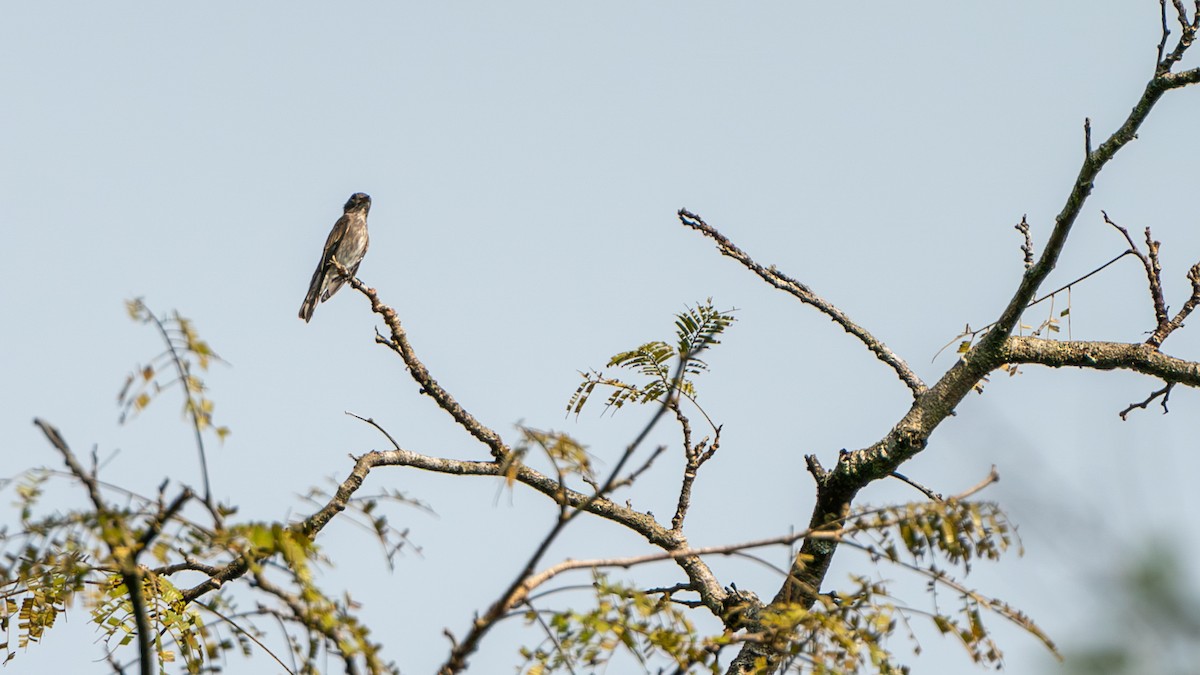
[837,487]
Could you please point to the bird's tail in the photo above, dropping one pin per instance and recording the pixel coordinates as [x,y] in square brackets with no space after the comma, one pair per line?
[310,304]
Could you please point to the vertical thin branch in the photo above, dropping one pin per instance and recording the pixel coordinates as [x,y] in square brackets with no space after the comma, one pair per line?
[184,373]
[1027,247]
[115,534]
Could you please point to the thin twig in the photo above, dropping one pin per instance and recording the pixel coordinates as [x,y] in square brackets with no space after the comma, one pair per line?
[1065,287]
[1164,326]
[319,624]
[1151,265]
[920,488]
[247,634]
[1165,393]
[182,370]
[1162,44]
[1027,247]
[567,660]
[992,477]
[638,472]
[154,528]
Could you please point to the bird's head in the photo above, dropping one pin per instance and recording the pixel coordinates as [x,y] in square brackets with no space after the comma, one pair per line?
[359,201]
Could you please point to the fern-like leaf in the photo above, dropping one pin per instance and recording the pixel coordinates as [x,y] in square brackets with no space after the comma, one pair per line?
[650,360]
[696,329]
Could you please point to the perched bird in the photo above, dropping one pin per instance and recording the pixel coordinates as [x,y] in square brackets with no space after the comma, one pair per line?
[347,243]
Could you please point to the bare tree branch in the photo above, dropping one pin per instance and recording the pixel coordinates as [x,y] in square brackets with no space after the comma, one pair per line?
[1165,393]
[807,296]
[1023,228]
[1188,28]
[399,343]
[837,488]
[933,496]
[1153,269]
[992,477]
[1164,326]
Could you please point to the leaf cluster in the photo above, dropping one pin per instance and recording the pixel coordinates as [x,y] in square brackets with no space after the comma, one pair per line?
[187,354]
[666,368]
[174,549]
[917,536]
[645,626]
[957,530]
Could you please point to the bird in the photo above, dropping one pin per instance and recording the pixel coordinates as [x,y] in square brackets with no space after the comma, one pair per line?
[347,243]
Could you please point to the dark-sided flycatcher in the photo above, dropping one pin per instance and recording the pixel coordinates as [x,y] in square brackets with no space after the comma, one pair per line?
[347,243]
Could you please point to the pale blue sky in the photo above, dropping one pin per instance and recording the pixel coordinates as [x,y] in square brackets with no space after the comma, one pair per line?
[526,161]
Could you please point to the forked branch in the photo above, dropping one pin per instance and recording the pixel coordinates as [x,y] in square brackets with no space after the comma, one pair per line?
[1164,325]
[838,487]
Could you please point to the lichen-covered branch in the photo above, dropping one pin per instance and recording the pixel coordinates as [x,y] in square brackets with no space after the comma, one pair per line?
[837,487]
[1138,357]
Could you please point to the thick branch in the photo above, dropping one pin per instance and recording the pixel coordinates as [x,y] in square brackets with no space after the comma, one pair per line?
[1140,358]
[642,523]
[837,488]
[1092,164]
[702,580]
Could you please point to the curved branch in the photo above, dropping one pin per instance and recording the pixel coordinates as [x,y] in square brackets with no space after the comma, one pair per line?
[184,373]
[710,590]
[399,343]
[807,296]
